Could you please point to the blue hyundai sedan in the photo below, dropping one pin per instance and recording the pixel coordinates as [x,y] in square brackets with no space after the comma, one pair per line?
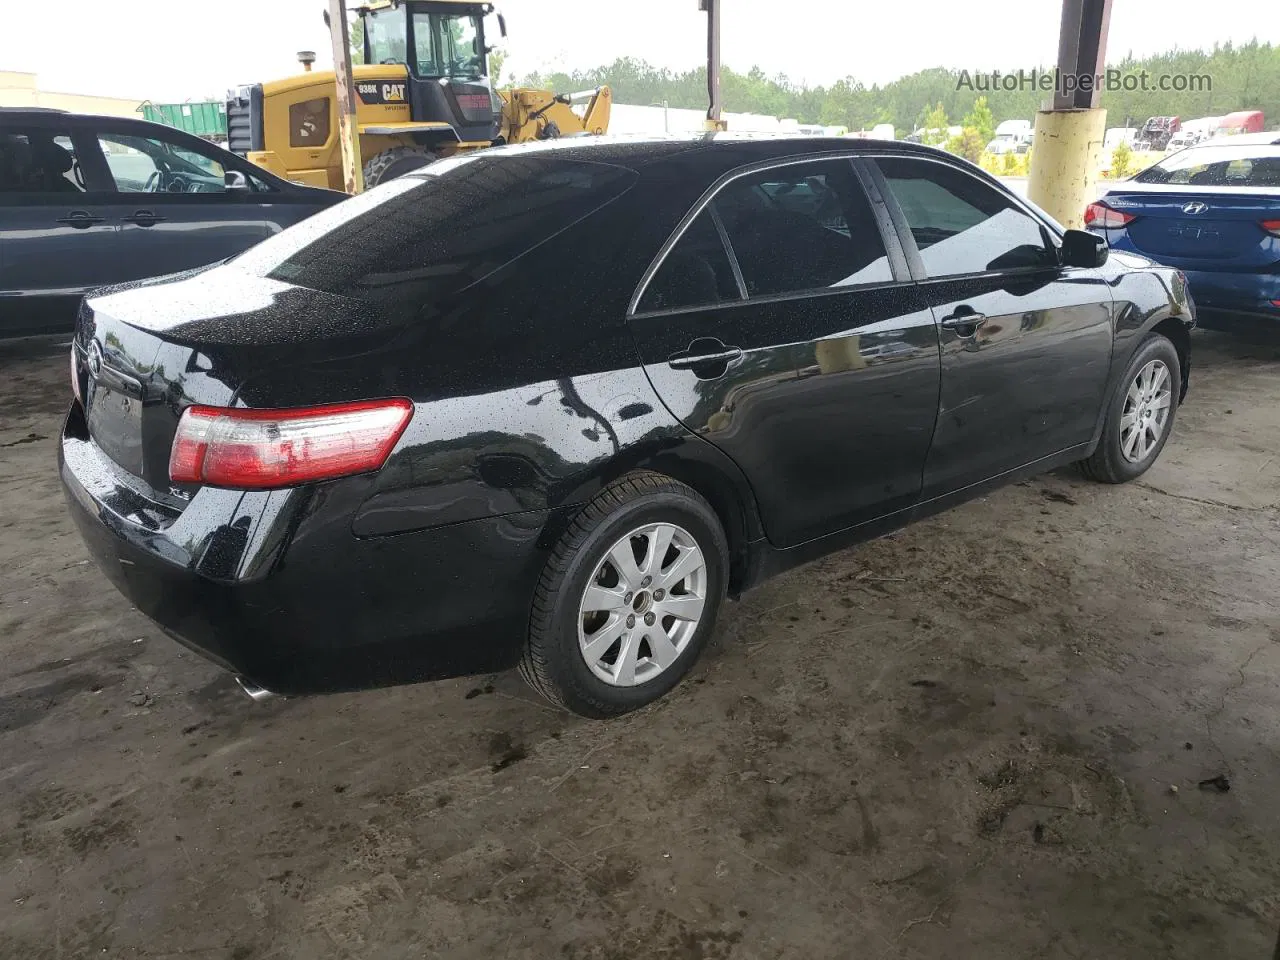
[1212,211]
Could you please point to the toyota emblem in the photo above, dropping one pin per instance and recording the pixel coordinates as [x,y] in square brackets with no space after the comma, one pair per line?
[95,360]
[1194,207]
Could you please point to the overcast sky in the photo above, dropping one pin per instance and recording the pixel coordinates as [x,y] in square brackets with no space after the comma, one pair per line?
[184,50]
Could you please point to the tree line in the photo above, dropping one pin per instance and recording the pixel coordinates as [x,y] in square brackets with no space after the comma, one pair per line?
[1244,76]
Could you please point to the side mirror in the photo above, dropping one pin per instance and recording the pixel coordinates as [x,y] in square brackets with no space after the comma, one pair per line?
[1080,248]
[502,25]
[236,182]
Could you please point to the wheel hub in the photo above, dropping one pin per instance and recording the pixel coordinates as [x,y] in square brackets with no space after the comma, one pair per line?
[643,604]
[1146,411]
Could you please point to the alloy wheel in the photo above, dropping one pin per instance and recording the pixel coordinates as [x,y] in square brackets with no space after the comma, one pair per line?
[1146,411]
[643,604]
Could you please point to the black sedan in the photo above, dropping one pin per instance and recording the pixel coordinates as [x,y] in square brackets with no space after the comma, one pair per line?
[547,406]
[86,201]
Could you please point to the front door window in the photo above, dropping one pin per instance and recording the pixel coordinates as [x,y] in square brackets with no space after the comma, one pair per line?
[960,224]
[146,165]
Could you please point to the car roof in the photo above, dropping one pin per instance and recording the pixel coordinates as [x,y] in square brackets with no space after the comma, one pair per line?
[41,116]
[636,151]
[52,113]
[52,116]
[1243,140]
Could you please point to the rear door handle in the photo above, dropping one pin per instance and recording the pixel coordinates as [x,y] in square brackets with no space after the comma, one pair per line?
[143,218]
[80,219]
[964,317]
[708,357]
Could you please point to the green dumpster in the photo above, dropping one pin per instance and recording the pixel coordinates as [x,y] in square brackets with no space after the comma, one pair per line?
[206,118]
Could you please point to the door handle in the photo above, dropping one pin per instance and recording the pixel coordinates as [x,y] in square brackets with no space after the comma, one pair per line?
[80,219]
[143,218]
[708,357]
[964,317]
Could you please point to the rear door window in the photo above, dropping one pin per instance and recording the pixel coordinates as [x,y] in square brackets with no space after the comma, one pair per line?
[960,224]
[696,273]
[39,161]
[803,226]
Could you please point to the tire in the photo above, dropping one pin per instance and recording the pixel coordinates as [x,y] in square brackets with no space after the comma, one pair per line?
[1119,457]
[395,162]
[652,652]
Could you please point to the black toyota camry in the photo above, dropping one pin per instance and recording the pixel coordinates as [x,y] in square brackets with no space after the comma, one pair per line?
[547,406]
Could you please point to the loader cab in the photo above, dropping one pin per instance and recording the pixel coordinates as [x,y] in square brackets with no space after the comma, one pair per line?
[442,45]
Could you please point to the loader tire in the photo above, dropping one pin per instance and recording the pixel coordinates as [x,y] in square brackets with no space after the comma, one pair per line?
[395,162]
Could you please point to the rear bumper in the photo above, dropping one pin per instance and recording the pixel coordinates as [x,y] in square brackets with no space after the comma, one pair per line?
[1244,292]
[275,588]
[1218,290]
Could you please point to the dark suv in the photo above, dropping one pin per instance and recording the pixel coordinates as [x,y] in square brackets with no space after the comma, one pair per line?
[86,201]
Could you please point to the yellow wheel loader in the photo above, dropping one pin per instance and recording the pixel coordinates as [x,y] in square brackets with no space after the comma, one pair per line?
[422,93]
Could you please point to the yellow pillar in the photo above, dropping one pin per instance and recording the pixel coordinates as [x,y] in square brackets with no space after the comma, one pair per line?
[1065,160]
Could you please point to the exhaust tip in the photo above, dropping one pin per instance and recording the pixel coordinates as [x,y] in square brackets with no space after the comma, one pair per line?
[253,691]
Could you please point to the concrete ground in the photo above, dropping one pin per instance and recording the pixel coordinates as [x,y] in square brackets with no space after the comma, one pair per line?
[982,737]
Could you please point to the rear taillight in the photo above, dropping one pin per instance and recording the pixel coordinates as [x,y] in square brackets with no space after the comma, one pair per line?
[1272,227]
[75,375]
[1098,214]
[264,449]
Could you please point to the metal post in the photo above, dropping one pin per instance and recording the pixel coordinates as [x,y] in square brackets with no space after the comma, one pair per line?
[348,134]
[712,8]
[1069,136]
[1082,50]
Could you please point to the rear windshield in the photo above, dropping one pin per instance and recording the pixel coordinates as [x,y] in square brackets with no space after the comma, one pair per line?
[1210,165]
[438,231]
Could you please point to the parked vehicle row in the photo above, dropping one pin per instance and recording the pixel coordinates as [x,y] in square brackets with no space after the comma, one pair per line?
[86,201]
[1012,136]
[373,450]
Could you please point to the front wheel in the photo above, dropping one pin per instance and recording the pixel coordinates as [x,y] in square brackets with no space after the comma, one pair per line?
[1140,415]
[628,598]
[395,162]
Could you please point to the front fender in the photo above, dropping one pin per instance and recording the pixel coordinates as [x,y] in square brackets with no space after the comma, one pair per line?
[1146,298]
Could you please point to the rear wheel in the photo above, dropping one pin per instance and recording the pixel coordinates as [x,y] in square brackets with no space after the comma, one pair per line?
[395,162]
[1140,416]
[628,598]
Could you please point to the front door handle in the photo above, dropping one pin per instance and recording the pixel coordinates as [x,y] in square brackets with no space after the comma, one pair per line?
[708,357]
[965,321]
[143,218]
[80,219]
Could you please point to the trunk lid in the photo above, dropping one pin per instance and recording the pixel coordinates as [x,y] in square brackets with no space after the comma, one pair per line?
[1218,228]
[146,351]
